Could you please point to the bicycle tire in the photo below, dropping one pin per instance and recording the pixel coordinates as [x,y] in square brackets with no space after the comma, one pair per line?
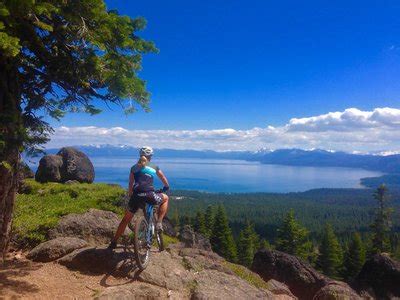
[160,240]
[142,262]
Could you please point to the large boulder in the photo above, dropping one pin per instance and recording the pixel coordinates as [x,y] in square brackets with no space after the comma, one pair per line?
[192,239]
[68,164]
[55,248]
[49,169]
[76,165]
[95,226]
[336,290]
[300,277]
[382,274]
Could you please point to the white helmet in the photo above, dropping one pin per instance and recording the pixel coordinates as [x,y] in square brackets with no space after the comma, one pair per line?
[146,151]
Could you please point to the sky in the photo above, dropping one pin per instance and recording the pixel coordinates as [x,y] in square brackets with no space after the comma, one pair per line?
[242,75]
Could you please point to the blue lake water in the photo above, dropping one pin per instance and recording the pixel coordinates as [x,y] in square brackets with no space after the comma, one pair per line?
[220,175]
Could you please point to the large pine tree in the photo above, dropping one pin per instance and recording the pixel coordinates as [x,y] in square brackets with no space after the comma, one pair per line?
[222,241]
[209,219]
[56,57]
[330,259]
[200,223]
[293,238]
[382,222]
[354,257]
[248,244]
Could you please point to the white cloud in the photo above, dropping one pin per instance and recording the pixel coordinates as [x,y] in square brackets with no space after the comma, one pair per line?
[350,130]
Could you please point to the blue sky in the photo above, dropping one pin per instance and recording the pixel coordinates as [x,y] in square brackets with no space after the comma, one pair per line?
[246,64]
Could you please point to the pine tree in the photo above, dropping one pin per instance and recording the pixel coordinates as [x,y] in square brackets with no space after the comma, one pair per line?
[221,238]
[355,257]
[248,244]
[264,244]
[293,238]
[209,219]
[382,222]
[175,218]
[330,259]
[199,223]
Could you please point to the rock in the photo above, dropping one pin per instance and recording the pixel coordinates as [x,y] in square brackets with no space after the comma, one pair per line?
[56,248]
[280,289]
[100,260]
[168,227]
[198,260]
[193,239]
[71,182]
[49,169]
[299,276]
[134,291]
[95,226]
[382,274]
[336,290]
[76,165]
[212,284]
[68,164]
[166,271]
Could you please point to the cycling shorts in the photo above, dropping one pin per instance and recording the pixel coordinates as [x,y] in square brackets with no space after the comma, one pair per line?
[138,200]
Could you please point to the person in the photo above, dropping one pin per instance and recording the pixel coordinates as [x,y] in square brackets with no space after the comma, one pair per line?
[141,190]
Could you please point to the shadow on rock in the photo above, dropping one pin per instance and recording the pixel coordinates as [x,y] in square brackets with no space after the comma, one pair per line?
[100,260]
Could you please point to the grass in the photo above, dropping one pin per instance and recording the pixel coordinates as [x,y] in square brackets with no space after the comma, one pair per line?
[44,204]
[247,275]
[168,240]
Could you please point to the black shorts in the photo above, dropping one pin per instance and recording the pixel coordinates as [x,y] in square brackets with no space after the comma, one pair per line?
[138,200]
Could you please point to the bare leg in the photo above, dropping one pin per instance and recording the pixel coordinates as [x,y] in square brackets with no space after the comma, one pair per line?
[162,211]
[122,225]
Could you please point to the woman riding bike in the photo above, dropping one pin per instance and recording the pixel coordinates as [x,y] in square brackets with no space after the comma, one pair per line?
[141,191]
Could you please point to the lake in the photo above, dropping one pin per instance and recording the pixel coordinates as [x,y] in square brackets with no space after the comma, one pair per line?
[219,175]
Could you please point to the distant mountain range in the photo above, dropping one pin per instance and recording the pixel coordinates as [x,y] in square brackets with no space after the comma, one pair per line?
[291,157]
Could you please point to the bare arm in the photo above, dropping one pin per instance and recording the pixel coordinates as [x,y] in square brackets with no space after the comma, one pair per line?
[162,177]
[131,182]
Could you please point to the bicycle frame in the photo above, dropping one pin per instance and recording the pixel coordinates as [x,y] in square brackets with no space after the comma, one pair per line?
[150,219]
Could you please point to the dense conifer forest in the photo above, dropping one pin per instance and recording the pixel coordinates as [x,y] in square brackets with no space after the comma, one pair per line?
[335,230]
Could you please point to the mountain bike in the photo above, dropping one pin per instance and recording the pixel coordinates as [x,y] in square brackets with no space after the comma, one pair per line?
[143,228]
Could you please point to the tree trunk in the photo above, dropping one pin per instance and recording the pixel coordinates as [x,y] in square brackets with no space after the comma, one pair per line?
[11,135]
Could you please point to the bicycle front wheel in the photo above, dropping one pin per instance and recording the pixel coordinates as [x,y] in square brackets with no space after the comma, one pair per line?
[141,242]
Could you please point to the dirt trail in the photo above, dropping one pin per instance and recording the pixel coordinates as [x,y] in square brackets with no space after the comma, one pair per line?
[23,279]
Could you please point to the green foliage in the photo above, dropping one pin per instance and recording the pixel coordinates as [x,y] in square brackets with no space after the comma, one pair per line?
[35,213]
[209,219]
[354,257]
[293,238]
[382,222]
[68,53]
[221,238]
[248,244]
[200,223]
[247,275]
[330,258]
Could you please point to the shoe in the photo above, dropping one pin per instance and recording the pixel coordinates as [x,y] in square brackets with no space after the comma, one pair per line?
[112,245]
[159,226]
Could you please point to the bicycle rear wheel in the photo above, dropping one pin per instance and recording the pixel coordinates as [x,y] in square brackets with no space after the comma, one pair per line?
[142,247]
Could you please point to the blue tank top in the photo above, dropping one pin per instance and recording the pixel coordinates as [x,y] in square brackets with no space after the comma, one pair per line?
[144,178]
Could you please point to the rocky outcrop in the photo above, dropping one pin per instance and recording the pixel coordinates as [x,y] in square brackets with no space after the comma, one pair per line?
[96,226]
[68,164]
[56,248]
[168,227]
[192,239]
[169,275]
[24,172]
[302,279]
[336,290]
[382,275]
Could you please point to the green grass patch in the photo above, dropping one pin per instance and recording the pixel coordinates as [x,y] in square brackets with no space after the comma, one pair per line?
[247,275]
[44,204]
[168,240]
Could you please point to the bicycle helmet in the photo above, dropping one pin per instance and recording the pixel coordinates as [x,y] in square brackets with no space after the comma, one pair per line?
[146,151]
